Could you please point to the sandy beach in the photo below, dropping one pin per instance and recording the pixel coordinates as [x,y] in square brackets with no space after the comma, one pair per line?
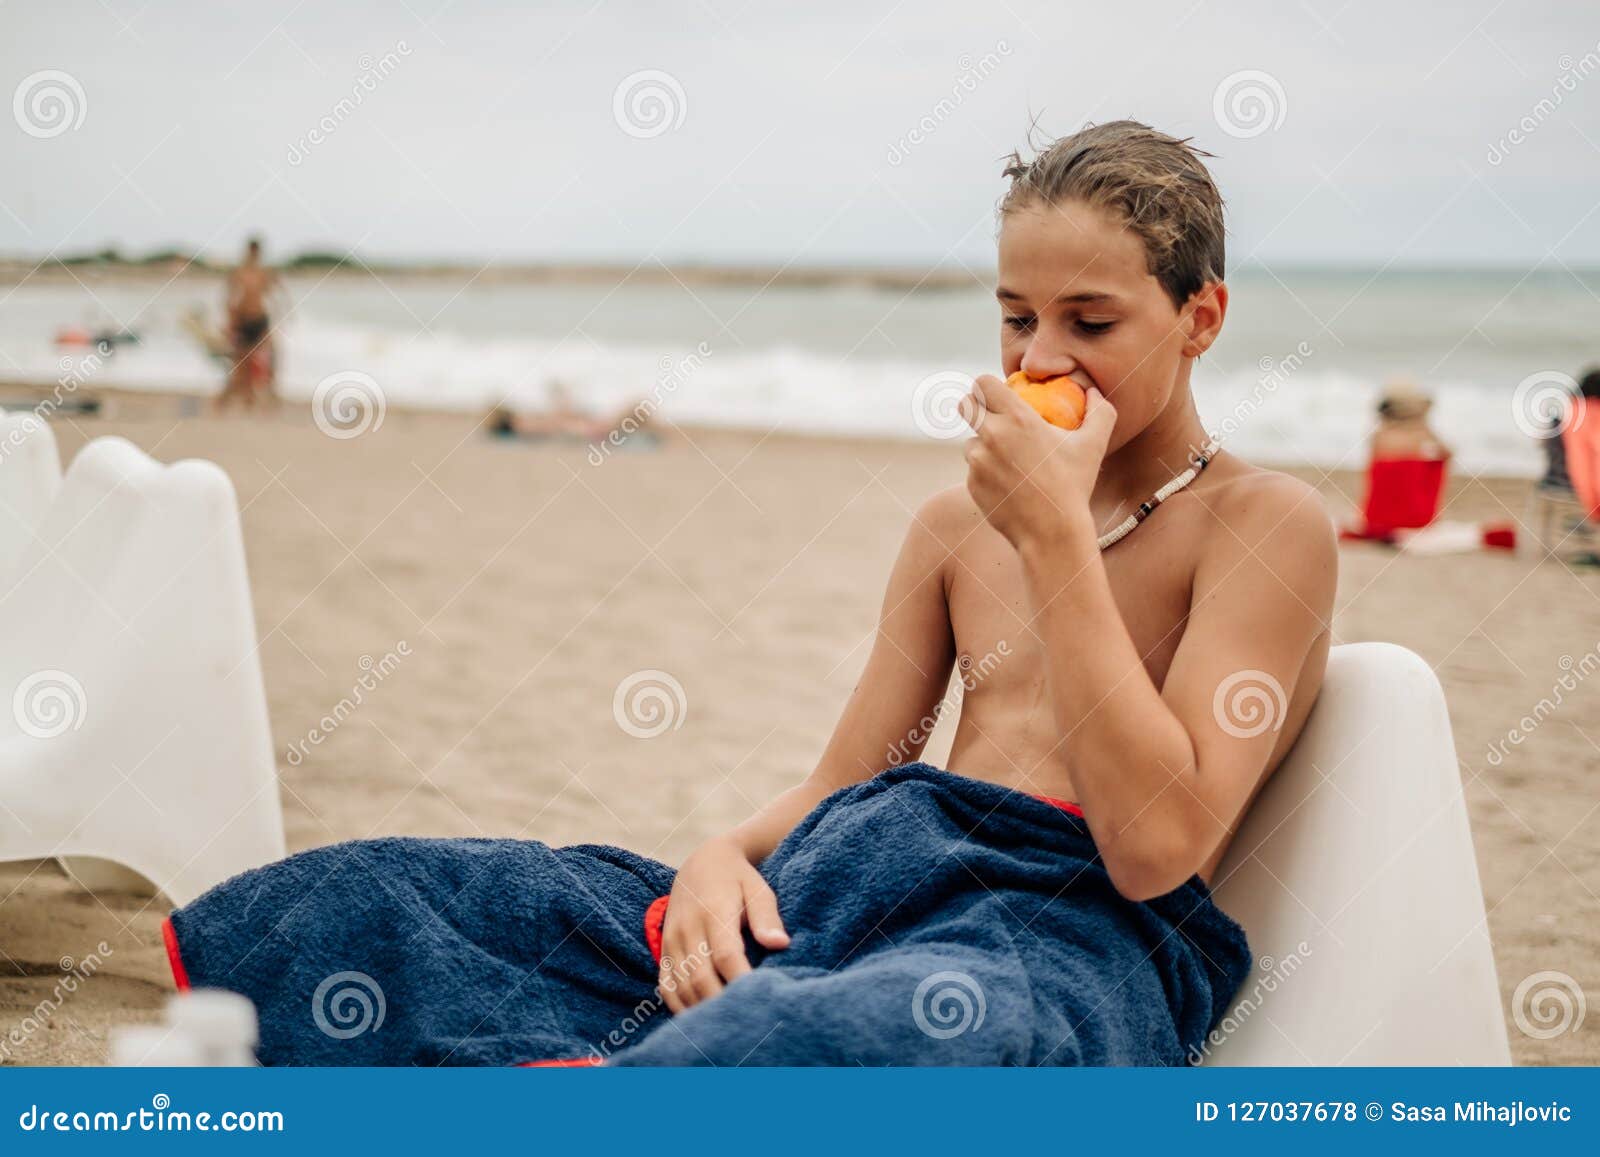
[526,583]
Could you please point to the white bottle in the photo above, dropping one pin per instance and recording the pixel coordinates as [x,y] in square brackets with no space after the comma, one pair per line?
[222,1025]
[152,1046]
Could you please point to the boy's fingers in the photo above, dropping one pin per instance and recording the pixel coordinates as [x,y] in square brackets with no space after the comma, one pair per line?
[696,974]
[995,393]
[1098,410]
[1099,419]
[970,407]
[727,957]
[667,981]
[704,981]
[685,965]
[761,911]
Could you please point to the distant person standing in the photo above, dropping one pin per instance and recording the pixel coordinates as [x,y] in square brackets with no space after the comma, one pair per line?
[250,330]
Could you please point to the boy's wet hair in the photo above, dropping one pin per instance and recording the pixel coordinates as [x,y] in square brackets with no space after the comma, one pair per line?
[1589,384]
[1156,184]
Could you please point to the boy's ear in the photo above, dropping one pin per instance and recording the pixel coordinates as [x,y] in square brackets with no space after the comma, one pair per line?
[1204,313]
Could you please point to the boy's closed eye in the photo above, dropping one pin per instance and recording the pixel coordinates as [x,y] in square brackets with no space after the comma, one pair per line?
[1091,328]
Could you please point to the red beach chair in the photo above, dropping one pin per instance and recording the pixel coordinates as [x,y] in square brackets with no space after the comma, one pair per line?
[1402,494]
[1581,439]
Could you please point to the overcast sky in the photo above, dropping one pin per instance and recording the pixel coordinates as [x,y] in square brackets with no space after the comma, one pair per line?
[819,133]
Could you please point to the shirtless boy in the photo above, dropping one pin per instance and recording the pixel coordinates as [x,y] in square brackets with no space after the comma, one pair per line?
[1110,271]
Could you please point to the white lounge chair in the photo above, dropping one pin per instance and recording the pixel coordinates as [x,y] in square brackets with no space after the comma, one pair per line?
[133,723]
[1354,877]
[30,476]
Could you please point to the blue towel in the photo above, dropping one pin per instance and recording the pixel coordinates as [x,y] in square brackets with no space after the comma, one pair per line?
[934,919]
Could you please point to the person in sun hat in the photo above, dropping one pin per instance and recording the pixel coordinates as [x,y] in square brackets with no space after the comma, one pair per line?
[1403,430]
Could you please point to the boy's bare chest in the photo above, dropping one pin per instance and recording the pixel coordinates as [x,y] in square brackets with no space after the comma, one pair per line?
[999,632]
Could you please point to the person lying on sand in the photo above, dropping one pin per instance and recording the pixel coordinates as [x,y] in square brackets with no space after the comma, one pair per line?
[1043,900]
[563,418]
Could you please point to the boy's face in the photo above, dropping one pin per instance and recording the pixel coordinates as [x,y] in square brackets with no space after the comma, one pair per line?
[1077,298]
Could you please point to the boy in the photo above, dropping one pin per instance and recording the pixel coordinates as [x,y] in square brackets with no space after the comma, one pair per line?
[1116,692]
[1046,904]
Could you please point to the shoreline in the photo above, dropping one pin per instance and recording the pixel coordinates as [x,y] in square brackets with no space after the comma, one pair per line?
[889,275]
[653,272]
[120,404]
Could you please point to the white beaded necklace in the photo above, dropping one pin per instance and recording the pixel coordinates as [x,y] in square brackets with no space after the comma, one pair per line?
[1178,482]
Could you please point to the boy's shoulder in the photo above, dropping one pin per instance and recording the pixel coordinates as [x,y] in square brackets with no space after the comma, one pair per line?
[1265,521]
[948,516]
[1261,505]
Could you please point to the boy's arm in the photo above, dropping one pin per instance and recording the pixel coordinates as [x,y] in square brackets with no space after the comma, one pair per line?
[718,891]
[906,674]
[1164,775]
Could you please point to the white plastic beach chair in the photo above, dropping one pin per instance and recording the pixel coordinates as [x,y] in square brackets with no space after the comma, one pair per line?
[133,723]
[30,475]
[1354,877]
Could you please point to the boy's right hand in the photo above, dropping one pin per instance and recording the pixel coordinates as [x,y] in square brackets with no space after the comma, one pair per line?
[716,894]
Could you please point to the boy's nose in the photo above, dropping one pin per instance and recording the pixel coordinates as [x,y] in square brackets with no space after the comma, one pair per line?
[1041,361]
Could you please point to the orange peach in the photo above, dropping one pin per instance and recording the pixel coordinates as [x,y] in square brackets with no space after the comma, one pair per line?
[1059,401]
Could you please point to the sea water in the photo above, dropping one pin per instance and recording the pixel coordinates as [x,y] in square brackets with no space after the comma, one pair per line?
[1293,379]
